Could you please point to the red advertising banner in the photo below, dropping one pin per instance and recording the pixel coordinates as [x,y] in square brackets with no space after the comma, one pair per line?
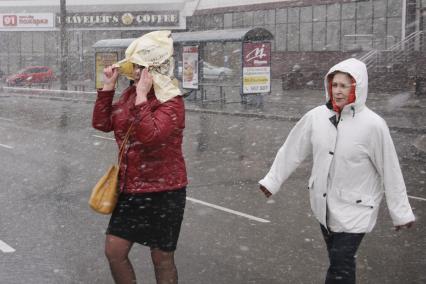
[257,54]
[21,21]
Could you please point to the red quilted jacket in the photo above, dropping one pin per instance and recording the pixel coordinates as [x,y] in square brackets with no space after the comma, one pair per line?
[152,159]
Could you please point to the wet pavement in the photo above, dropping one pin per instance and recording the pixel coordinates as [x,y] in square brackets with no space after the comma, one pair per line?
[54,157]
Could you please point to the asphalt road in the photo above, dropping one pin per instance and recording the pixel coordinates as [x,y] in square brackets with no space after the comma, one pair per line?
[231,234]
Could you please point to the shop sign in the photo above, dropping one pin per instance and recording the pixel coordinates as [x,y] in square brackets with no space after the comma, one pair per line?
[189,67]
[256,67]
[121,19]
[25,21]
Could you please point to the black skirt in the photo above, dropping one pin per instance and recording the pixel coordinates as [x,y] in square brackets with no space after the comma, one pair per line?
[150,219]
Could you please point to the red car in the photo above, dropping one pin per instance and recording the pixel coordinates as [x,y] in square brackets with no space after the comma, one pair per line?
[31,75]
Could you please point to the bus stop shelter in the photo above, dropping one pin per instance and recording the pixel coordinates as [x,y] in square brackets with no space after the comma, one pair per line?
[218,60]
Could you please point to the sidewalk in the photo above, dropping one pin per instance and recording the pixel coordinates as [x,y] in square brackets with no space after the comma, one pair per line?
[402,111]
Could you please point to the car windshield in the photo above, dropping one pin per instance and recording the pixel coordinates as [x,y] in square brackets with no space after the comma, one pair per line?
[22,71]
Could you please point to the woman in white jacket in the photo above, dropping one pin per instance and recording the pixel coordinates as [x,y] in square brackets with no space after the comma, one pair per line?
[354,165]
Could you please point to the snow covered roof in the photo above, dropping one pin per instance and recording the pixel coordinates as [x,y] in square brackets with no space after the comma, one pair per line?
[246,34]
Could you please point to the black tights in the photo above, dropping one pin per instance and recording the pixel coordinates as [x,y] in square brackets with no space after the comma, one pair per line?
[117,251]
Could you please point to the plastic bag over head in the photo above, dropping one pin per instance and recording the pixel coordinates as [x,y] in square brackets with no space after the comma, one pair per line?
[154,51]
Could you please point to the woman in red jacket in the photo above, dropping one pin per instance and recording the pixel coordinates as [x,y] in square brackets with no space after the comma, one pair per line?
[152,177]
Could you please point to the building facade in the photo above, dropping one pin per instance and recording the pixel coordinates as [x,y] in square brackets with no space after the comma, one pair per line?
[310,33]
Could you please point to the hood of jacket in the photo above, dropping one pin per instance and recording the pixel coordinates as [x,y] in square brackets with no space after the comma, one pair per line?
[358,71]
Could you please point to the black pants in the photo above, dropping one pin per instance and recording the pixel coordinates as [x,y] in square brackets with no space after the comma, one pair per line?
[341,249]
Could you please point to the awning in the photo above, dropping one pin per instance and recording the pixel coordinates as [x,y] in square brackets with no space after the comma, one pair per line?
[255,34]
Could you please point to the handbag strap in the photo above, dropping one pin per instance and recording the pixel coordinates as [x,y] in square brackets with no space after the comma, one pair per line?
[123,145]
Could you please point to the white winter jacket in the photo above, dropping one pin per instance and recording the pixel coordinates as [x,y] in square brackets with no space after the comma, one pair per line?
[354,164]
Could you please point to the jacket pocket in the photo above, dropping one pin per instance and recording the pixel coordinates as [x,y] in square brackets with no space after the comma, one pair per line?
[357,198]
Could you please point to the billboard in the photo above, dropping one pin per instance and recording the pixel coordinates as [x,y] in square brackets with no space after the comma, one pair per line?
[102,60]
[24,21]
[189,71]
[256,67]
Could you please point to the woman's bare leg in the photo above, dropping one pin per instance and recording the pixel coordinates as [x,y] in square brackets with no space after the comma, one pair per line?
[117,251]
[164,265]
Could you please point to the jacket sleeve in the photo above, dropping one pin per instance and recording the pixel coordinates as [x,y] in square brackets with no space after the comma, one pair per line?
[154,127]
[102,111]
[295,149]
[385,160]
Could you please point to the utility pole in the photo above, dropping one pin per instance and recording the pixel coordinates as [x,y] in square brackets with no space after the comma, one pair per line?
[64,46]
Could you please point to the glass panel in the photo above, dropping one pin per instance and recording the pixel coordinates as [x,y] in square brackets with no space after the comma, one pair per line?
[26,48]
[248,19]
[237,20]
[306,14]
[333,35]
[394,31]
[394,8]
[306,36]
[271,28]
[364,10]
[280,37]
[379,8]
[379,32]
[320,13]
[348,11]
[293,15]
[270,17]
[348,29]
[319,36]
[259,18]
[293,37]
[38,42]
[281,15]
[333,12]
[227,21]
[364,32]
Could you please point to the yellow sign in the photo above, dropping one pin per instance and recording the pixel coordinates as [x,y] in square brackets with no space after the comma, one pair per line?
[102,60]
[255,80]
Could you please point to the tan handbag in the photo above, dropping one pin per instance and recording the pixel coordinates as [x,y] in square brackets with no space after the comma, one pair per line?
[105,193]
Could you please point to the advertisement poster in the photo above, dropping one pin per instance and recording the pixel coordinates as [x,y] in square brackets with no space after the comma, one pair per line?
[190,67]
[33,21]
[256,67]
[102,60]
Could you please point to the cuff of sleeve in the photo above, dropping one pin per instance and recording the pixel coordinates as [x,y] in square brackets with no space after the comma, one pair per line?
[105,93]
[398,221]
[270,185]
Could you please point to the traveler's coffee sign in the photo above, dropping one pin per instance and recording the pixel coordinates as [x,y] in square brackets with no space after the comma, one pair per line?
[121,20]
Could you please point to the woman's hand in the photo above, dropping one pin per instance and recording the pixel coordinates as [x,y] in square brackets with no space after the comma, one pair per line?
[110,78]
[143,86]
[407,226]
[265,191]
